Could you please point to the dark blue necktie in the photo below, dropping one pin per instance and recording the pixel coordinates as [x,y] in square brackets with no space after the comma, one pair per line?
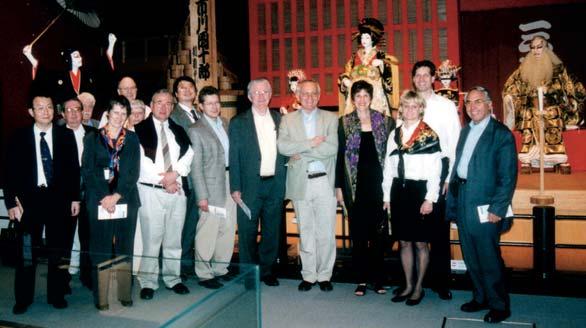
[46,159]
[194,115]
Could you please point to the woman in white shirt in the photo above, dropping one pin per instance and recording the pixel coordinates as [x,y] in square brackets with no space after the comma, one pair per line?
[410,187]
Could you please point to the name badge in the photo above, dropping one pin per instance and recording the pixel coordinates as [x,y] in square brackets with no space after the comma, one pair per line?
[107,174]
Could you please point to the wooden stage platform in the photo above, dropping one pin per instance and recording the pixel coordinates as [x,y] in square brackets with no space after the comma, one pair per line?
[569,192]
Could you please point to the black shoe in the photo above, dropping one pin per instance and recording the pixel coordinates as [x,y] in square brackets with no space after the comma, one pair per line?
[59,304]
[147,293]
[179,288]
[473,306]
[400,298]
[211,284]
[496,316]
[103,307]
[126,303]
[305,286]
[443,293]
[412,302]
[20,308]
[270,280]
[325,286]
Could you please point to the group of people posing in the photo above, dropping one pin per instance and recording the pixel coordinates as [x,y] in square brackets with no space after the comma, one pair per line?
[184,179]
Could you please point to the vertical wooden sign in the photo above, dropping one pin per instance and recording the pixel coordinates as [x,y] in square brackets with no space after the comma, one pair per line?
[202,28]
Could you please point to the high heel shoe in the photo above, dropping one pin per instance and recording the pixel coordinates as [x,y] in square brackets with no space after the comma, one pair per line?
[412,302]
[400,298]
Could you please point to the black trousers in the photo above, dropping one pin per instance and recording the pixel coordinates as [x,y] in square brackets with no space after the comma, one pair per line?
[188,235]
[440,256]
[266,210]
[53,216]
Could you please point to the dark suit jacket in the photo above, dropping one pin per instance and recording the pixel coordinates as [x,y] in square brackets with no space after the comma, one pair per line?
[181,117]
[21,174]
[96,158]
[492,175]
[245,157]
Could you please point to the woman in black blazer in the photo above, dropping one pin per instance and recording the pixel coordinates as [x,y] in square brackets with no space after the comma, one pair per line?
[110,170]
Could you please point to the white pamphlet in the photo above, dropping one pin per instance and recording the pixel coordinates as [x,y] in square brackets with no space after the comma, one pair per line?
[119,213]
[483,213]
[245,209]
[217,211]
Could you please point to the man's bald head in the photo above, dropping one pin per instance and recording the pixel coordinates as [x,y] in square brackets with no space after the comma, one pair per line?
[127,88]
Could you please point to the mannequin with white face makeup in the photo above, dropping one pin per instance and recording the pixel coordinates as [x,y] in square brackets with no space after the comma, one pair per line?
[73,79]
[371,64]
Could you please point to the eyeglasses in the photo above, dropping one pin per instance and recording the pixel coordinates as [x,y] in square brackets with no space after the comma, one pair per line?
[475,102]
[309,94]
[127,89]
[73,110]
[261,92]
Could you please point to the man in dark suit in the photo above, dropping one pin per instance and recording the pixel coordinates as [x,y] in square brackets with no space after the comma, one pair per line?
[481,191]
[79,235]
[185,114]
[42,191]
[257,179]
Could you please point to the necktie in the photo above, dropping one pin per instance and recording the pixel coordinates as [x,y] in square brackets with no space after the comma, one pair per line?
[194,115]
[165,147]
[46,159]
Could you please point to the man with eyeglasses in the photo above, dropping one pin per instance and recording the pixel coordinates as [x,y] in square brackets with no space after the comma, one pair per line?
[442,116]
[41,192]
[480,194]
[310,137]
[79,234]
[563,106]
[257,180]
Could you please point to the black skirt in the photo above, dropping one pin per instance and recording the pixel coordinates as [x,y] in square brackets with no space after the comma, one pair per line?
[407,223]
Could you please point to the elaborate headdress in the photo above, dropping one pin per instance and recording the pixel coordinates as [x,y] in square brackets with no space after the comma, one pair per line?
[447,70]
[296,75]
[373,27]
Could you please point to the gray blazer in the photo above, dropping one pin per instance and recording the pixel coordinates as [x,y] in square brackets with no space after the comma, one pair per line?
[208,168]
[292,140]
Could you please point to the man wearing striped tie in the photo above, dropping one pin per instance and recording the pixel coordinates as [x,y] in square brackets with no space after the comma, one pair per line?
[166,156]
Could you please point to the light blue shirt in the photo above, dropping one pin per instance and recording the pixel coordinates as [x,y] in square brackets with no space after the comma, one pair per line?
[310,124]
[471,141]
[218,128]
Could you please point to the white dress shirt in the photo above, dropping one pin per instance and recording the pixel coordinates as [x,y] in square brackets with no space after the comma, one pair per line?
[79,133]
[150,172]
[267,141]
[442,117]
[41,179]
[423,167]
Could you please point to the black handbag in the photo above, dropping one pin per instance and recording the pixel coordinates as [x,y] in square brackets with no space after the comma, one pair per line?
[8,245]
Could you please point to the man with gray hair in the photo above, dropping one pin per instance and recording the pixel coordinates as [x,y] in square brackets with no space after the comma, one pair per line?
[480,194]
[257,179]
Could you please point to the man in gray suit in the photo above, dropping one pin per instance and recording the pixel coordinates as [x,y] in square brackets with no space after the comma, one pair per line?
[214,237]
[481,191]
[257,179]
[309,136]
[185,114]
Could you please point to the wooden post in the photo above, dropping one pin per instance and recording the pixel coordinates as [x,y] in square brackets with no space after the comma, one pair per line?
[541,199]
